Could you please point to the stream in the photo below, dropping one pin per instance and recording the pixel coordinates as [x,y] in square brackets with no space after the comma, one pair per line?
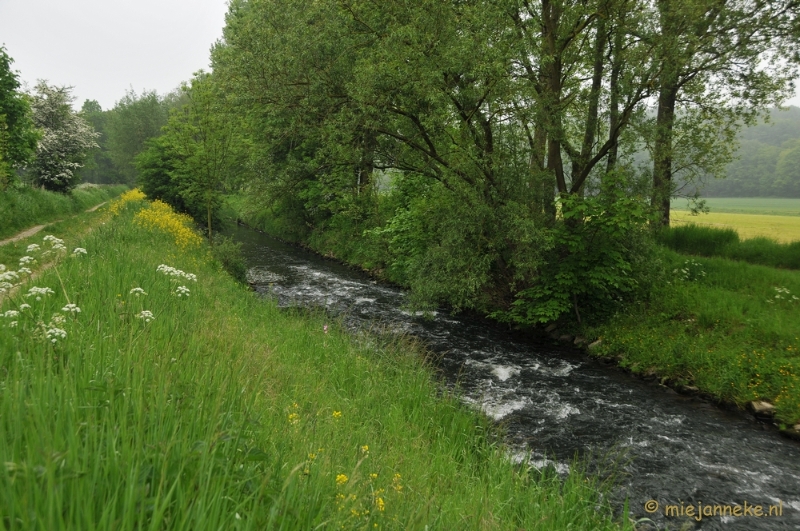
[556,403]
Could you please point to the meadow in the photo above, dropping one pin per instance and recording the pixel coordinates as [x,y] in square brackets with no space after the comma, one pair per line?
[141,387]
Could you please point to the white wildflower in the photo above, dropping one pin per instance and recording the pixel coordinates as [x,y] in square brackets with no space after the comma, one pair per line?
[24,306]
[53,240]
[9,276]
[59,247]
[39,292]
[54,334]
[32,248]
[2,268]
[182,291]
[176,273]
[57,320]
[13,324]
[78,250]
[11,313]
[138,291]
[24,271]
[71,308]
[25,260]
[146,316]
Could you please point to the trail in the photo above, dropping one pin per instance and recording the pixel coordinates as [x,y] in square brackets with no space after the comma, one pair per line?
[33,230]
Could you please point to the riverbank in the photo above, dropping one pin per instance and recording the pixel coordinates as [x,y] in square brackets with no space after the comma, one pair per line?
[723,329]
[25,207]
[162,393]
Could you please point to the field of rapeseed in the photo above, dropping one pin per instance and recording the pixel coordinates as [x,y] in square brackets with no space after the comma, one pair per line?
[141,387]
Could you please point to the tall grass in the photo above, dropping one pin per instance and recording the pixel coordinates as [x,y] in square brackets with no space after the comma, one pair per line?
[27,206]
[709,241]
[218,411]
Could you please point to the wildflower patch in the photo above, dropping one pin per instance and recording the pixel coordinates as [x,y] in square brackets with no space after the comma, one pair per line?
[160,216]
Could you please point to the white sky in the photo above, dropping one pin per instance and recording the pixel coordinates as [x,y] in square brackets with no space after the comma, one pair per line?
[104,47]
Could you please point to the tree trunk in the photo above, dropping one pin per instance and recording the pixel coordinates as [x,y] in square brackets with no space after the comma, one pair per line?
[662,151]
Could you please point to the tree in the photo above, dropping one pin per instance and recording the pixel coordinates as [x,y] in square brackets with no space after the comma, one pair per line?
[66,139]
[721,64]
[17,134]
[133,120]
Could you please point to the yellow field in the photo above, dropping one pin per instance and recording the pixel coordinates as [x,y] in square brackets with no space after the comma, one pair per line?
[784,229]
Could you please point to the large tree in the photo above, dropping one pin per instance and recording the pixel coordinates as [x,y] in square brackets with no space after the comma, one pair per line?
[66,138]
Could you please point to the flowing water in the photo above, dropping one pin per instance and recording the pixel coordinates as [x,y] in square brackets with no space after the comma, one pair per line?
[556,403]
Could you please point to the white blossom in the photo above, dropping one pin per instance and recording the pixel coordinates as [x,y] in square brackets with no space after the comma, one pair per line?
[54,334]
[53,240]
[71,308]
[78,251]
[146,316]
[24,270]
[32,248]
[25,260]
[11,313]
[182,291]
[138,291]
[13,324]
[57,320]
[177,273]
[24,306]
[39,292]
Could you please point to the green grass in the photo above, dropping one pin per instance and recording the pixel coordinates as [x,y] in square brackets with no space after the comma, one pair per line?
[730,328]
[225,413]
[25,207]
[710,241]
[771,206]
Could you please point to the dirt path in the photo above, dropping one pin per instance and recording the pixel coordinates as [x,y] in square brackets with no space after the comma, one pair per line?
[33,230]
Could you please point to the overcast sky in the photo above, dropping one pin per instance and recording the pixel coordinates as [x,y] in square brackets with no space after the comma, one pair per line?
[104,47]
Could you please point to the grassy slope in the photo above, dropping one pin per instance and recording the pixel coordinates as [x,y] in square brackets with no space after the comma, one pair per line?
[225,413]
[720,325]
[23,208]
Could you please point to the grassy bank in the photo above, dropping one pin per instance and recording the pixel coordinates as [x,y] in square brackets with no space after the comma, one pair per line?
[177,399]
[728,328]
[27,206]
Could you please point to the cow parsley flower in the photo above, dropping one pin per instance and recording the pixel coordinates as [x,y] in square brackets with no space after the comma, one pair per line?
[25,260]
[176,273]
[24,271]
[13,324]
[24,306]
[57,320]
[182,291]
[2,268]
[59,247]
[32,248]
[39,292]
[71,308]
[11,313]
[78,250]
[146,316]
[138,291]
[54,334]
[9,276]
[53,240]
[5,286]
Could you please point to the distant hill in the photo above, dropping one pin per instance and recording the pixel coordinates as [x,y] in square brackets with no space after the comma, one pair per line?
[768,163]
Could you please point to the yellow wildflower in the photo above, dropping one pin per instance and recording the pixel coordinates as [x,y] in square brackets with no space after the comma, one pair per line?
[337,414]
[341,479]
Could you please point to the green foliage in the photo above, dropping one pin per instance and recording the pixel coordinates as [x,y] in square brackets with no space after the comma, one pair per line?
[709,241]
[600,257]
[17,134]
